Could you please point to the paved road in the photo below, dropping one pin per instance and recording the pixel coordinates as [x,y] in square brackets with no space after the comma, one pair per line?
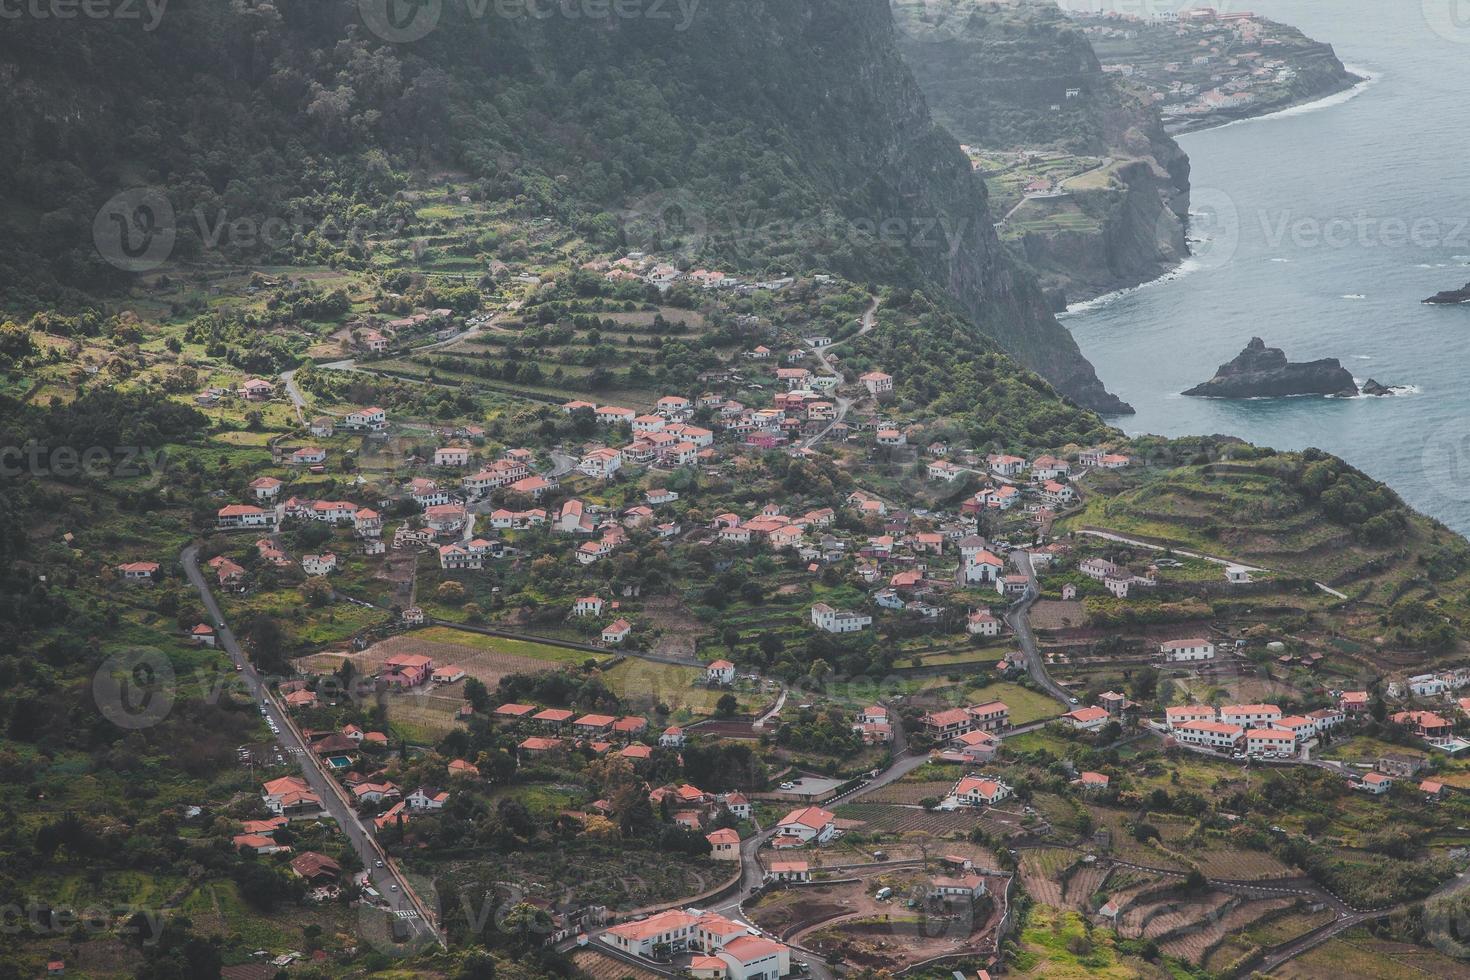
[1019,620]
[387,880]
[844,405]
[294,393]
[1135,542]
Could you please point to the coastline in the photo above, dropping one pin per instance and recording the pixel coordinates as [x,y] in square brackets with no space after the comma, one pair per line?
[1344,93]
[1365,80]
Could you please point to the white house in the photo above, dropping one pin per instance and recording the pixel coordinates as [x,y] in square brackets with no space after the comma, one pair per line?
[1182,651]
[982,623]
[979,791]
[601,463]
[824,617]
[617,631]
[720,672]
[319,564]
[1250,714]
[877,382]
[451,456]
[1087,719]
[1270,742]
[373,419]
[244,515]
[589,605]
[1186,713]
[809,824]
[1210,734]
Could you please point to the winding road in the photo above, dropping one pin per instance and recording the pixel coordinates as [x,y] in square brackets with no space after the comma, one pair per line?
[844,405]
[1018,618]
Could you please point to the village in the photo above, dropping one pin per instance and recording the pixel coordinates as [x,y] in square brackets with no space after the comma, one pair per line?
[982,741]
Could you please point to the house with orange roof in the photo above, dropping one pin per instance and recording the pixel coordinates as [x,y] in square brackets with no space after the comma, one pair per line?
[138,571]
[980,791]
[553,718]
[724,844]
[617,631]
[537,744]
[1088,719]
[720,672]
[406,670]
[809,824]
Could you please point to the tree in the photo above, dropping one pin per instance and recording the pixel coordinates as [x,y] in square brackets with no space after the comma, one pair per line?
[727,705]
[450,593]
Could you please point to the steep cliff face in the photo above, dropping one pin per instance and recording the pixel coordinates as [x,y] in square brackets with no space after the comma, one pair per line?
[1022,77]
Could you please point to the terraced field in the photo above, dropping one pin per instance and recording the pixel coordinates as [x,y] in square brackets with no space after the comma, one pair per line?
[1041,872]
[911,793]
[884,818]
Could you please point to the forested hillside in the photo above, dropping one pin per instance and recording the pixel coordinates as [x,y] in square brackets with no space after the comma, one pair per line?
[646,130]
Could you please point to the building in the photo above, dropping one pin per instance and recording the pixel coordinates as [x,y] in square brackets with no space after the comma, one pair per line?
[975,746]
[371,419]
[1186,651]
[824,617]
[724,844]
[810,824]
[1250,714]
[1088,719]
[1217,735]
[319,564]
[589,605]
[795,871]
[720,672]
[601,464]
[1374,783]
[982,623]
[673,930]
[980,791]
[1270,742]
[617,631]
[236,516]
[877,382]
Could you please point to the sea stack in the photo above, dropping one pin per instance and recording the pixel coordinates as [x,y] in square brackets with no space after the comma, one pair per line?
[1264,372]
[1450,297]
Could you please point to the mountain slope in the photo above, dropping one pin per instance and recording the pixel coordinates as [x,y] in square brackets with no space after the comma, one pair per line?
[763,136]
[1024,78]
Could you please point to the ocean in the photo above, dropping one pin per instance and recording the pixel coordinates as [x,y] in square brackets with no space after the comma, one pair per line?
[1321,229]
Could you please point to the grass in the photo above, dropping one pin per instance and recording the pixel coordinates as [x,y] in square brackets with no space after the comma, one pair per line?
[1026,705]
[518,648]
[1057,943]
[644,684]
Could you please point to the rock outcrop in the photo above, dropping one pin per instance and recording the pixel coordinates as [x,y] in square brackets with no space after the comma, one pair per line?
[1264,372]
[1451,297]
[1371,387]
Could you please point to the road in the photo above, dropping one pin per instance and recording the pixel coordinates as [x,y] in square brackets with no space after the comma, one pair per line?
[387,880]
[1018,619]
[297,402]
[844,405]
[1135,542]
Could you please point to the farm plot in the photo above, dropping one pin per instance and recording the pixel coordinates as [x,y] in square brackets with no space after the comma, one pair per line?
[1223,942]
[886,818]
[1171,914]
[1041,872]
[599,966]
[910,793]
[482,661]
[1241,864]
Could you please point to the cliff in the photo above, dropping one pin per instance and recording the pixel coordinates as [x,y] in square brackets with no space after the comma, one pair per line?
[1025,78]
[1264,372]
[786,137]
